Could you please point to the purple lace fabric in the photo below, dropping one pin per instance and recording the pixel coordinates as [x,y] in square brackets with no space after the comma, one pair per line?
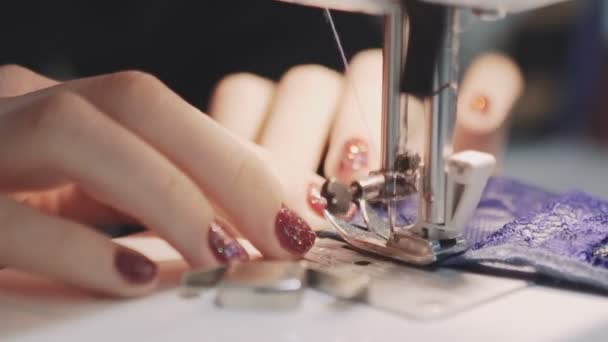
[518,225]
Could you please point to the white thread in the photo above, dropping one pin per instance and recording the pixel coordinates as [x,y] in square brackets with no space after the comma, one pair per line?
[332,24]
[342,52]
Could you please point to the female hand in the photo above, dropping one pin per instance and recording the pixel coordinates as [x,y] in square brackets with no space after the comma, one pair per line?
[122,148]
[317,118]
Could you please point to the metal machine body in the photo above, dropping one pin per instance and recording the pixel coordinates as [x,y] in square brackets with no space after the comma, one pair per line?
[421,42]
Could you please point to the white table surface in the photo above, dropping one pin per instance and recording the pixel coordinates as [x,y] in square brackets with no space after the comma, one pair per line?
[33,309]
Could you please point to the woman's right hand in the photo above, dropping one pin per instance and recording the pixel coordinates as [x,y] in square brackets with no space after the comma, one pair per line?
[316,118]
[123,148]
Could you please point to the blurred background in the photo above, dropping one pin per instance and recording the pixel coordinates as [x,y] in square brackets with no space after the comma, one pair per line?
[559,136]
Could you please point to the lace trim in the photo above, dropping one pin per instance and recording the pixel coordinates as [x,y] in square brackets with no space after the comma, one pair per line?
[562,236]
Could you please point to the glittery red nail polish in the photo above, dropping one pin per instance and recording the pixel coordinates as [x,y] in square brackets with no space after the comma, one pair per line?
[134,267]
[224,247]
[315,201]
[293,232]
[355,156]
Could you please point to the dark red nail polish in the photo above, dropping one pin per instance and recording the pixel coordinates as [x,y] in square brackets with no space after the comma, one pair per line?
[134,267]
[355,156]
[224,247]
[316,202]
[293,232]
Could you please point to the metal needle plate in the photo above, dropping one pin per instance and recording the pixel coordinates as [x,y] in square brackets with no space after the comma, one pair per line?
[334,268]
[339,282]
[194,282]
[413,249]
[412,292]
[269,285]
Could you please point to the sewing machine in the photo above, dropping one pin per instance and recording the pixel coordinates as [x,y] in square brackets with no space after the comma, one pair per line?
[421,41]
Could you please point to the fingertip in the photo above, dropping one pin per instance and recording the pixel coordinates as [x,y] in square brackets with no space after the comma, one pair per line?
[353,161]
[138,274]
[316,203]
[302,113]
[368,61]
[240,102]
[353,148]
[225,247]
[254,211]
[293,233]
[300,186]
[488,92]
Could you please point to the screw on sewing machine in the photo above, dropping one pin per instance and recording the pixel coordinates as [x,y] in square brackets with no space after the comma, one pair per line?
[338,196]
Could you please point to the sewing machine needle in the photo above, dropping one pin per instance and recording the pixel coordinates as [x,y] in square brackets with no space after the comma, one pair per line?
[392,216]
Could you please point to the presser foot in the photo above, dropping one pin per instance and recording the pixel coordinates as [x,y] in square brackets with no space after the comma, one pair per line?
[424,242]
[402,245]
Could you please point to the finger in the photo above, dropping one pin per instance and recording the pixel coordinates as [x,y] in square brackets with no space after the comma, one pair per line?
[72,203]
[305,102]
[231,176]
[353,144]
[488,93]
[64,136]
[232,107]
[67,201]
[16,80]
[240,103]
[302,188]
[71,253]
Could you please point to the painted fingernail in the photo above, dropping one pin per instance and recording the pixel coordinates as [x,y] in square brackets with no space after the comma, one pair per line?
[134,267]
[355,156]
[293,232]
[224,247]
[316,202]
[480,104]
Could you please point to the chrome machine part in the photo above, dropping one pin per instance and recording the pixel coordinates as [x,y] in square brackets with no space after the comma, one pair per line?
[424,294]
[381,7]
[269,285]
[450,186]
[404,245]
[439,115]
